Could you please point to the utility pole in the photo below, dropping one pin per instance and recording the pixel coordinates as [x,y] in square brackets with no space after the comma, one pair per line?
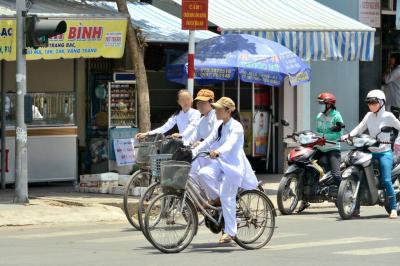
[190,81]
[21,135]
[3,128]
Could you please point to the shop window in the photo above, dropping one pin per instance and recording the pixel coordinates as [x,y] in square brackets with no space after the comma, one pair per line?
[389,5]
[48,109]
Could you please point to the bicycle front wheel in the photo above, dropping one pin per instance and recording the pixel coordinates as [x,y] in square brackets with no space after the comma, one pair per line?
[133,192]
[255,217]
[152,191]
[170,222]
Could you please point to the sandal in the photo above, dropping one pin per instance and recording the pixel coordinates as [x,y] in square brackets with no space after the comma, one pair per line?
[225,239]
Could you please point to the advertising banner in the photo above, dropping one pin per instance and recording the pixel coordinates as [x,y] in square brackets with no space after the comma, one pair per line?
[83,38]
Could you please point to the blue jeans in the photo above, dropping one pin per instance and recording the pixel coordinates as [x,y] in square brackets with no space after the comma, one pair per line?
[386,164]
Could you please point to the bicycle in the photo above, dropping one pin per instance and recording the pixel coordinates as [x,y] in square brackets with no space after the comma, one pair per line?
[147,156]
[171,219]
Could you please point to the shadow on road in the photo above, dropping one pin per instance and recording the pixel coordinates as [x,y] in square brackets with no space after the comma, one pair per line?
[370,217]
[199,248]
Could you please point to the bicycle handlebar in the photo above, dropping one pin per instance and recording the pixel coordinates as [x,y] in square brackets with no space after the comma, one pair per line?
[202,154]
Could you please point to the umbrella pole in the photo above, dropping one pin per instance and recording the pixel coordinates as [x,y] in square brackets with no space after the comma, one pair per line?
[269,136]
[273,131]
[238,92]
[253,116]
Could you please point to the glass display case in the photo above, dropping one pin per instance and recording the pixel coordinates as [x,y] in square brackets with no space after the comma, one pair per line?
[48,109]
[122,105]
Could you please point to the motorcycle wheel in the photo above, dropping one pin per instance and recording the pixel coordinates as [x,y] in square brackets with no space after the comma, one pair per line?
[288,190]
[345,202]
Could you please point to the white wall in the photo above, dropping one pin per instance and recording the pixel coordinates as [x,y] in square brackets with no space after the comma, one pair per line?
[340,78]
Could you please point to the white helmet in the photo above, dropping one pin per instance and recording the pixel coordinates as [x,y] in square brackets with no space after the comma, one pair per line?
[376,95]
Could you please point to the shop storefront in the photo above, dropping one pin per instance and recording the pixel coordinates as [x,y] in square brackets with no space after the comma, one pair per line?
[56,82]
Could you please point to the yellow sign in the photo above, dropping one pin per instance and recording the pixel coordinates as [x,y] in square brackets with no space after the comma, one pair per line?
[83,38]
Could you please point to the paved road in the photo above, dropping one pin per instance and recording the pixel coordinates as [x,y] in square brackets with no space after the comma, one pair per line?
[316,237]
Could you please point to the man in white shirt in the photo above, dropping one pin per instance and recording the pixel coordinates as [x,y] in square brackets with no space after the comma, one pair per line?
[392,81]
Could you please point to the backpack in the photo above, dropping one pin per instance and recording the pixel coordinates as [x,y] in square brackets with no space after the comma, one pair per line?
[169,146]
[183,154]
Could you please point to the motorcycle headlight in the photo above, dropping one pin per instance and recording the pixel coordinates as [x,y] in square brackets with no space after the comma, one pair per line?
[359,142]
[346,173]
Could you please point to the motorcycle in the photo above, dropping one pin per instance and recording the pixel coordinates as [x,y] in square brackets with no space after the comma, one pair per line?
[360,180]
[305,179]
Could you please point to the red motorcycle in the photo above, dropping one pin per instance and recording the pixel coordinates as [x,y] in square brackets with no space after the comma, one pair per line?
[305,179]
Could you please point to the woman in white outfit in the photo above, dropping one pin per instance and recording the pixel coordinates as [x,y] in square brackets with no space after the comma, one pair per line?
[186,118]
[208,122]
[227,169]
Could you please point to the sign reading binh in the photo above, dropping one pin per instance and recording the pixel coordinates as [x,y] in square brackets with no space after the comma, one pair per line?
[194,14]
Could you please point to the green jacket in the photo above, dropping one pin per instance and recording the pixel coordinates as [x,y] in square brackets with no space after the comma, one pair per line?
[324,124]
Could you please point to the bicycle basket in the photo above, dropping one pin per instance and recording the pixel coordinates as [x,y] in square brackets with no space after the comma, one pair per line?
[155,163]
[143,150]
[174,175]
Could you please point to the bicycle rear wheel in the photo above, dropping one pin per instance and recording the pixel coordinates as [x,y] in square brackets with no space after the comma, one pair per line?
[170,223]
[255,218]
[132,195]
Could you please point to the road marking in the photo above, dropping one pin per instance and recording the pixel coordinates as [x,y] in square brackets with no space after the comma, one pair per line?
[370,251]
[65,233]
[113,239]
[333,242]
[141,237]
[286,235]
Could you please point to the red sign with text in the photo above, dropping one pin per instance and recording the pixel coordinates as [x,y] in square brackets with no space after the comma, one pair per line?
[194,14]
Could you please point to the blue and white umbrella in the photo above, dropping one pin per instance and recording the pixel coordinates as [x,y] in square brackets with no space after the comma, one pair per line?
[247,57]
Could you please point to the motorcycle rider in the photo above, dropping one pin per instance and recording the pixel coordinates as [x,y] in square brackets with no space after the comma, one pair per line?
[374,121]
[329,155]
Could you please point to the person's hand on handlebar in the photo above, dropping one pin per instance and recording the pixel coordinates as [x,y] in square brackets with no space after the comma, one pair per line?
[176,136]
[197,143]
[214,154]
[141,135]
[344,137]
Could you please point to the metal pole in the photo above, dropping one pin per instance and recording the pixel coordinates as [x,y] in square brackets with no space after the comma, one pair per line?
[3,128]
[273,132]
[253,119]
[21,135]
[223,88]
[238,92]
[270,125]
[190,83]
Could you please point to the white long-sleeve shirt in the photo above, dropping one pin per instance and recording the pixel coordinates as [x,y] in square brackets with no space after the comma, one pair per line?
[393,87]
[186,122]
[233,161]
[374,123]
[205,127]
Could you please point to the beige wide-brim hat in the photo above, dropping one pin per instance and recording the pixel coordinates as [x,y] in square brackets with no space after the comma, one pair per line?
[225,102]
[205,95]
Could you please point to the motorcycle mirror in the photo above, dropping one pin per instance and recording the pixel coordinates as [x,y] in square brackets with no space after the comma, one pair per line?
[285,123]
[340,124]
[338,127]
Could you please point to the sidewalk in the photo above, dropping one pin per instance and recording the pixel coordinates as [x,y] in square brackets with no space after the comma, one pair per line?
[59,203]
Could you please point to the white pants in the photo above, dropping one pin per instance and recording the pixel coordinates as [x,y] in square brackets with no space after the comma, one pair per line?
[212,179]
[209,177]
